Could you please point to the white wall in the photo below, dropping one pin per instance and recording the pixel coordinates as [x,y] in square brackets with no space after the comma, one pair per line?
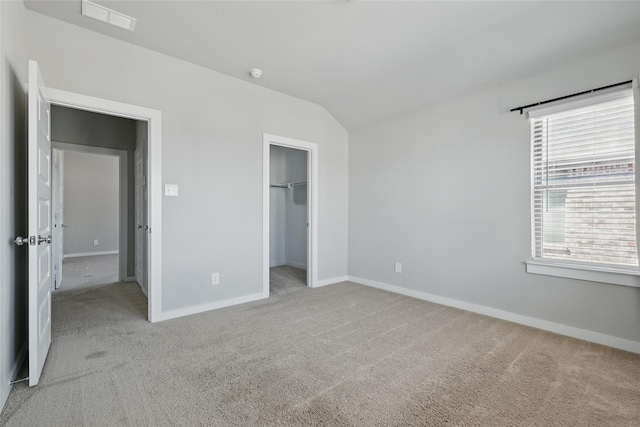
[446,191]
[212,127]
[91,203]
[288,220]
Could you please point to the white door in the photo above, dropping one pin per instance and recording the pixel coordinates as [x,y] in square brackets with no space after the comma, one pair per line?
[39,201]
[141,222]
[57,202]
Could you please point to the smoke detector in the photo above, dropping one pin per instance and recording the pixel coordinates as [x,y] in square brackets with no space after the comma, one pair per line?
[256,73]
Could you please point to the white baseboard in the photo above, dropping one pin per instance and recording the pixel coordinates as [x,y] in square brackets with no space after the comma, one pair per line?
[76,255]
[558,328]
[331,281]
[15,370]
[180,312]
[296,265]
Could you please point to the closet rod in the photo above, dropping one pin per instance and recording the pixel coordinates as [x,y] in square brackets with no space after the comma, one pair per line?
[288,184]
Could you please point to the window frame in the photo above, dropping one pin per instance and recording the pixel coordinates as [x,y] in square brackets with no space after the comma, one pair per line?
[594,272]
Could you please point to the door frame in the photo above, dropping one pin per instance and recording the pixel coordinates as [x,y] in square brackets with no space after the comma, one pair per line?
[123,207]
[154,178]
[312,204]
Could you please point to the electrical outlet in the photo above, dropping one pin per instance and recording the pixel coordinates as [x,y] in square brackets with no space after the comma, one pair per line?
[171,190]
[215,278]
[95,242]
[398,267]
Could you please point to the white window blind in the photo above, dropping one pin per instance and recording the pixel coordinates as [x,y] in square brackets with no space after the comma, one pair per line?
[583,182]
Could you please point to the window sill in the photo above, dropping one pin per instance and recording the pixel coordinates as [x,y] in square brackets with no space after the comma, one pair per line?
[591,274]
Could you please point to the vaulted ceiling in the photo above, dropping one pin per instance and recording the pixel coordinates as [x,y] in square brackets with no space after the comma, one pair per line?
[369,60]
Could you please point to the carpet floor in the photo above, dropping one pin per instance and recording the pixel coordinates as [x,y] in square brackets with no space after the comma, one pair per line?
[87,271]
[284,278]
[341,355]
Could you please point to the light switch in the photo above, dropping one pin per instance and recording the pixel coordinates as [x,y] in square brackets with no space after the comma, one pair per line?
[171,190]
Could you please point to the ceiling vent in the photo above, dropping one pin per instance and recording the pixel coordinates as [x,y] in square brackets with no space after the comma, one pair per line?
[107,15]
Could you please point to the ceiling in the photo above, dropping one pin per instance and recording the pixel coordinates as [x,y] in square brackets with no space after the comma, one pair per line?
[365,61]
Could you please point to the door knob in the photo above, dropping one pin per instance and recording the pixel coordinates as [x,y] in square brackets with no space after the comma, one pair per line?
[44,239]
[21,241]
[64,225]
[139,226]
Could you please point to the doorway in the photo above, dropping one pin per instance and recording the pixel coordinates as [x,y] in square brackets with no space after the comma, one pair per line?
[89,215]
[288,219]
[290,170]
[148,136]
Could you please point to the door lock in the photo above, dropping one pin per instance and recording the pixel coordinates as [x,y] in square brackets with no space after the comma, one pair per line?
[31,240]
[42,239]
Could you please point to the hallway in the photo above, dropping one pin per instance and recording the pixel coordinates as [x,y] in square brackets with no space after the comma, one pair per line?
[88,271]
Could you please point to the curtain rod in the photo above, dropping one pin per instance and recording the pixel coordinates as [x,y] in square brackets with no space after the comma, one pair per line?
[524,107]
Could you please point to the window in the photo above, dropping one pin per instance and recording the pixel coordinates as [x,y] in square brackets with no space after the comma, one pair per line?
[583,183]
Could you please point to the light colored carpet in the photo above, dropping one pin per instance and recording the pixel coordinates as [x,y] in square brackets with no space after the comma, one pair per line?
[284,278]
[341,355]
[87,271]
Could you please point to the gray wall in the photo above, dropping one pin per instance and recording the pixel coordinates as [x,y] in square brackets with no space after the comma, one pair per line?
[72,126]
[13,212]
[446,191]
[288,220]
[91,203]
[212,127]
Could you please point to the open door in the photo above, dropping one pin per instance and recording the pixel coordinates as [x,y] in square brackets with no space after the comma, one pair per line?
[57,202]
[141,222]
[39,201]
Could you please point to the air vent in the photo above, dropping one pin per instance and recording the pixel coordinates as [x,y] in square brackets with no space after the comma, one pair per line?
[107,15]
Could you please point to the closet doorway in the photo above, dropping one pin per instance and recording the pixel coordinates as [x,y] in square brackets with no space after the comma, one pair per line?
[290,206]
[288,219]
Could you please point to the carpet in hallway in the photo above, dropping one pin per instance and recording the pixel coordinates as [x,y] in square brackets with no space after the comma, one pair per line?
[87,271]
